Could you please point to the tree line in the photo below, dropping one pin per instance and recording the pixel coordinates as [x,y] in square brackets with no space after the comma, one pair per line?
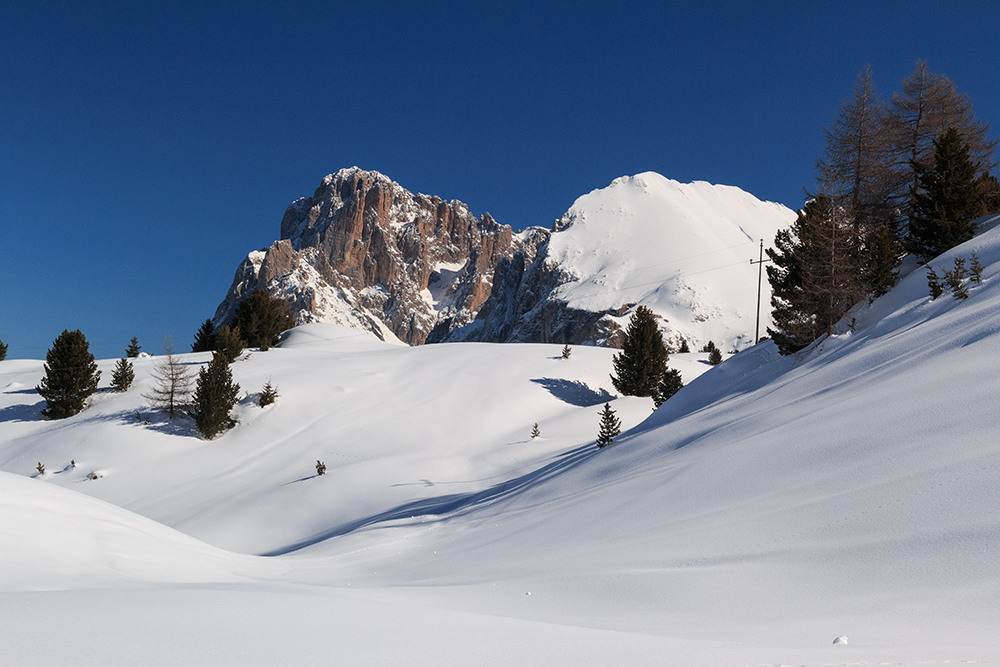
[71,374]
[905,176]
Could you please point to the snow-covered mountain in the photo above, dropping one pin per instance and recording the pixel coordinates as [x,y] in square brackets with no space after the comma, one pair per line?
[682,250]
[772,505]
[366,253]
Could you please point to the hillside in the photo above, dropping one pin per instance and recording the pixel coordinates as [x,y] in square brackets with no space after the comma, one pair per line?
[772,505]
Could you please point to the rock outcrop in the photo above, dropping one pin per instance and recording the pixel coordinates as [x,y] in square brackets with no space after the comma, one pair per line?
[364,252]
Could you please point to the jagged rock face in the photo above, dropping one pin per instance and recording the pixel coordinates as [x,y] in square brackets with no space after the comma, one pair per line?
[365,252]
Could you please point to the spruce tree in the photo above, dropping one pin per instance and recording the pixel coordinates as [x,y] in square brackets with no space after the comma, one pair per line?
[685,348]
[715,357]
[947,201]
[610,429]
[640,365]
[132,351]
[71,375]
[814,275]
[214,397]
[123,375]
[934,283]
[204,339]
[534,431]
[3,351]
[261,318]
[229,342]
[268,395]
[669,385]
[566,351]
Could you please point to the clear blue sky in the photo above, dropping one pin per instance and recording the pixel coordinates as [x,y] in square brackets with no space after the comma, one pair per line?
[146,147]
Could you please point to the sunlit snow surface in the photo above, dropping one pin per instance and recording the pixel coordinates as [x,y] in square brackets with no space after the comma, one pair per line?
[772,506]
[681,249]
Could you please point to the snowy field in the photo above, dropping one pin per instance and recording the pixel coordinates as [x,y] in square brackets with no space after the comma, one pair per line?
[771,506]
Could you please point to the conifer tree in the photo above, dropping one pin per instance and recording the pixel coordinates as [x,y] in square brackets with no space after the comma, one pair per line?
[214,397]
[640,365]
[268,395]
[261,318]
[123,375]
[814,275]
[947,201]
[3,351]
[204,339]
[929,104]
[669,385]
[610,427]
[320,468]
[132,351]
[173,382]
[229,343]
[685,348]
[534,431]
[566,351]
[715,357]
[976,270]
[71,375]
[934,283]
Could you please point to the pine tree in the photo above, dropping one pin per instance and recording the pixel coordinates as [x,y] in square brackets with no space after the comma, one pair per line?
[3,351]
[268,395]
[229,343]
[715,357]
[955,279]
[261,318]
[989,195]
[934,283]
[534,431]
[685,348]
[640,365]
[204,339]
[566,351]
[214,397]
[948,199]
[132,351]
[814,275]
[123,375]
[976,270]
[320,467]
[71,375]
[610,427]
[669,385]
[173,382]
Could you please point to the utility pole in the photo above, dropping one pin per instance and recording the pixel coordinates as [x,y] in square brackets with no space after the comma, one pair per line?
[760,275]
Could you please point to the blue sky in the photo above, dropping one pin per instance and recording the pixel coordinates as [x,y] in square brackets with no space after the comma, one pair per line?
[145,147]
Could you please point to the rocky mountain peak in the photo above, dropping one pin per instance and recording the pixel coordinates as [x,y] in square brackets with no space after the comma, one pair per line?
[365,252]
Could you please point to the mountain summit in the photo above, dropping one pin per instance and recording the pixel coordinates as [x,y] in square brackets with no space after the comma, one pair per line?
[364,252]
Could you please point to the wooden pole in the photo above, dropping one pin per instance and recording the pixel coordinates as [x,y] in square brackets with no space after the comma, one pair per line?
[760,276]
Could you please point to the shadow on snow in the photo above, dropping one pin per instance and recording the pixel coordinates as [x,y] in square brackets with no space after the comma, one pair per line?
[574,392]
[454,504]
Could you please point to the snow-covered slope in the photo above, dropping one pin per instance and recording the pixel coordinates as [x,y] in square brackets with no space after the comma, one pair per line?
[683,250]
[771,506]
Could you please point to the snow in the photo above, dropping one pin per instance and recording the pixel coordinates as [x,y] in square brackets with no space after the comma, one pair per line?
[681,249]
[851,490]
